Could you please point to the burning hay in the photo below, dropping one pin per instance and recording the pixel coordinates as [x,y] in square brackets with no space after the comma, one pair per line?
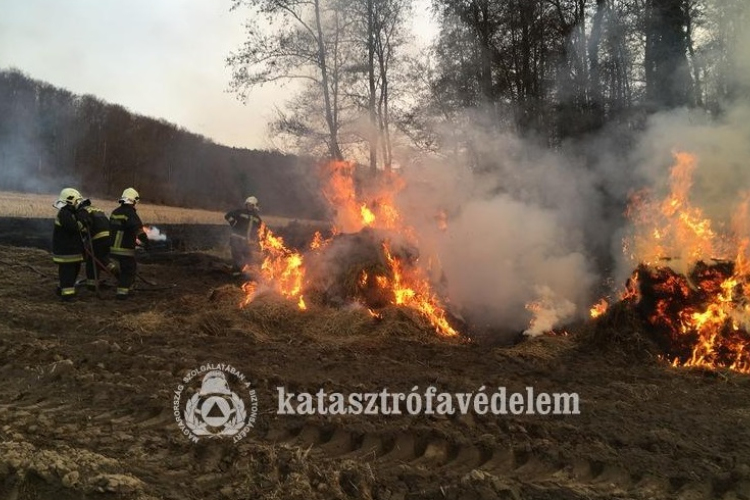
[696,319]
[371,260]
[694,308]
[353,268]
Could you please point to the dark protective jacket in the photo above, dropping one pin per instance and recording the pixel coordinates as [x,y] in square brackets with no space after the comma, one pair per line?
[125,228]
[67,246]
[95,221]
[244,223]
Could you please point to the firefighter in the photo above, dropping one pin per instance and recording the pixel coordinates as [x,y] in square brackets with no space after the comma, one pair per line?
[67,243]
[126,229]
[243,240]
[96,242]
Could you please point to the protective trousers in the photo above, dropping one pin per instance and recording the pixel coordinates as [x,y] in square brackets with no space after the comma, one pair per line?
[127,274]
[101,253]
[240,248]
[68,274]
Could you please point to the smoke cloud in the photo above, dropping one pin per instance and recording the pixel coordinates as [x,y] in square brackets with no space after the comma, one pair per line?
[513,236]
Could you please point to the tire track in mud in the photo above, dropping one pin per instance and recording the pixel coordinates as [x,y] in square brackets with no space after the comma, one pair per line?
[394,452]
[389,452]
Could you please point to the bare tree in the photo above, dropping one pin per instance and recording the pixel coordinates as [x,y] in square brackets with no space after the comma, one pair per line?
[378,33]
[300,40]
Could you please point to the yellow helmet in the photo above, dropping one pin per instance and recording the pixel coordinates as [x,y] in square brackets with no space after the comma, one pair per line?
[69,196]
[130,196]
[251,200]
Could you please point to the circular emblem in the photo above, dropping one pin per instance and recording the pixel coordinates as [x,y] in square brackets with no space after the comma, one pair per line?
[216,408]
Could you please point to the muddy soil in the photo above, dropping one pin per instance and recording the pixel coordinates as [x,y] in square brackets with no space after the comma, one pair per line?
[87,392]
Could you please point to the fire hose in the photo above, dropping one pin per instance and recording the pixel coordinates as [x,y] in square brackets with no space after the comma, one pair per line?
[98,263]
[88,246]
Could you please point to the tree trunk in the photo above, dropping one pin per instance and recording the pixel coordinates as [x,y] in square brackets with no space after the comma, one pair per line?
[333,142]
[373,132]
[697,91]
[595,82]
[668,80]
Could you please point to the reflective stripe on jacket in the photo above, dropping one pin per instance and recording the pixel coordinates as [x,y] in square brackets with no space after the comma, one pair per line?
[67,245]
[125,228]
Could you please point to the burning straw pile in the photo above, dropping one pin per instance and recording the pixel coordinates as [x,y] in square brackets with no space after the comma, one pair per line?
[691,310]
[371,260]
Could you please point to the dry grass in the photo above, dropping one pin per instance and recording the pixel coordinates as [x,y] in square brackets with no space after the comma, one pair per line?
[39,206]
[148,322]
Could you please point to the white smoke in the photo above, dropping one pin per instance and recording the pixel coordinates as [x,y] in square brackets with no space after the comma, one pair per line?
[154,234]
[536,228]
[508,242]
[549,312]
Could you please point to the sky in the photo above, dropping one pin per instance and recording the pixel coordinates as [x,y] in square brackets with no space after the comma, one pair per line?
[159,58]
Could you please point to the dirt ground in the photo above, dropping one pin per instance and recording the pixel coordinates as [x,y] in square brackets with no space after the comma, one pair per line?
[87,390]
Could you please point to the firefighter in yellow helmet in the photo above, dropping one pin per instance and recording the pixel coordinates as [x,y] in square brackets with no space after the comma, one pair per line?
[243,240]
[125,229]
[67,243]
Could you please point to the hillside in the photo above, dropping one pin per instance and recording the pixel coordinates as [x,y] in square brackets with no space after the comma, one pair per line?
[51,138]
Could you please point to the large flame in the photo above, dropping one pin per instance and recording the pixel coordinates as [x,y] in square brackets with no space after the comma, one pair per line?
[283,270]
[412,289]
[692,278]
[672,228]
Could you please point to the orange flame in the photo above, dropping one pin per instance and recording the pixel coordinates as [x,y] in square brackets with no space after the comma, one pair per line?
[412,290]
[340,192]
[673,228]
[367,216]
[599,308]
[318,241]
[282,269]
[716,328]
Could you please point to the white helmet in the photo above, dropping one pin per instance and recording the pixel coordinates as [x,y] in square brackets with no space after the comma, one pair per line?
[69,196]
[251,200]
[130,196]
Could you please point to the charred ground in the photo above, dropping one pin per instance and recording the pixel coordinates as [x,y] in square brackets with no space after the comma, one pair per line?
[86,401]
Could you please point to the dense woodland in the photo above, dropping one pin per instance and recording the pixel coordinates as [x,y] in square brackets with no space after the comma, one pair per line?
[50,138]
[554,70]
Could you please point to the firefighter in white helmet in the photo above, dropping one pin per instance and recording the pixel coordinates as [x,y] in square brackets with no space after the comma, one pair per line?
[125,229]
[67,243]
[243,240]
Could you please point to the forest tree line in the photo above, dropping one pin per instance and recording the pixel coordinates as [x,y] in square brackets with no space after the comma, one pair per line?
[51,138]
[554,70]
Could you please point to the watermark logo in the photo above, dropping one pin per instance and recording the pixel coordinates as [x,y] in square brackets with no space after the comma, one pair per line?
[483,401]
[222,405]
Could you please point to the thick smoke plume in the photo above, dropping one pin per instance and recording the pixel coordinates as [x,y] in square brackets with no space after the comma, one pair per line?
[513,237]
